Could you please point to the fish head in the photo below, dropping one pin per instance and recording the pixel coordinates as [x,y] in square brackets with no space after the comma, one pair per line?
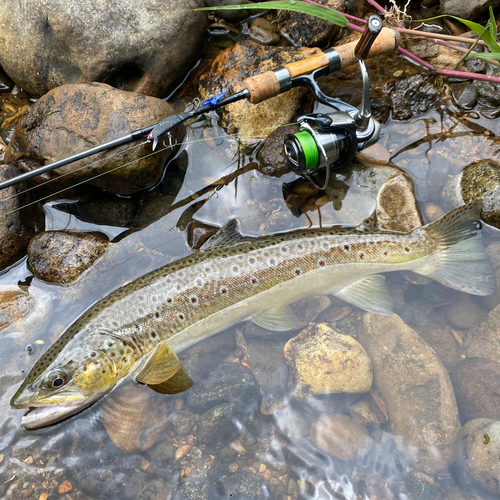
[63,382]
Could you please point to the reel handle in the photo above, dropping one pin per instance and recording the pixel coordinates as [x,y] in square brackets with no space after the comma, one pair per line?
[372,30]
[272,83]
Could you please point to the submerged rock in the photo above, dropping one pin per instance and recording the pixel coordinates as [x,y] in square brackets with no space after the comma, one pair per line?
[271,156]
[416,388]
[308,31]
[476,382]
[73,118]
[370,410]
[141,47]
[397,209]
[62,256]
[264,32]
[134,417]
[18,225]
[340,436]
[218,424]
[484,341]
[478,452]
[412,96]
[480,180]
[246,59]
[326,362]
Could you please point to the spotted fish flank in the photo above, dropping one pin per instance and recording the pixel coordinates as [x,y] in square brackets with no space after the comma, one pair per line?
[139,329]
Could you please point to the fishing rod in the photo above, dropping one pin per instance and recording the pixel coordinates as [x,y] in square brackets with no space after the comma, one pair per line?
[324,141]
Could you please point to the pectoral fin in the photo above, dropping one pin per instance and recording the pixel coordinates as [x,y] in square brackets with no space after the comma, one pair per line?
[162,365]
[179,382]
[370,294]
[279,319]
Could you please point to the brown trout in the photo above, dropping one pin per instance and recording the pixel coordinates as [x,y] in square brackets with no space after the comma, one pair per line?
[137,330]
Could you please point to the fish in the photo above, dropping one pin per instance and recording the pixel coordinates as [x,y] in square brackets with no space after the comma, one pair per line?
[138,330]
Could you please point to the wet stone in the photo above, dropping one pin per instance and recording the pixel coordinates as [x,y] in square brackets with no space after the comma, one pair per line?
[246,59]
[163,451]
[73,118]
[484,341]
[192,489]
[61,257]
[217,424]
[271,155]
[441,339]
[183,422]
[370,410]
[416,388]
[465,312]
[489,92]
[340,436]
[327,362]
[412,96]
[478,452]
[264,32]
[397,209]
[476,382]
[304,30]
[240,485]
[230,382]
[464,94]
[17,227]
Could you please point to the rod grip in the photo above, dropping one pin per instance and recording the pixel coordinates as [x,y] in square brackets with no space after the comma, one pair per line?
[262,87]
[386,42]
[308,65]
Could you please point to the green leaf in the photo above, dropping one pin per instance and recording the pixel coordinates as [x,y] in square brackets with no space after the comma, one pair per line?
[492,56]
[493,24]
[489,40]
[293,5]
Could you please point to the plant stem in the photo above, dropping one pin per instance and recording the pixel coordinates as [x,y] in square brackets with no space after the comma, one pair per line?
[472,46]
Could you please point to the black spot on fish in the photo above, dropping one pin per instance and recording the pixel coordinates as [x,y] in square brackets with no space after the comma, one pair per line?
[157,314]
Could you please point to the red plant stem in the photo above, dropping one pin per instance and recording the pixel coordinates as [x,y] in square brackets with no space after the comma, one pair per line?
[377,6]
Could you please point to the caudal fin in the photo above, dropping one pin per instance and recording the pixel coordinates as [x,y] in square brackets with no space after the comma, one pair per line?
[460,261]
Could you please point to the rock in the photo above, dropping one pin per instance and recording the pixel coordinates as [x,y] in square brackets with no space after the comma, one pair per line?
[340,436]
[411,96]
[183,422]
[24,312]
[73,118]
[435,54]
[230,382]
[233,16]
[201,359]
[397,208]
[464,94]
[62,256]
[416,388]
[478,452]
[292,423]
[484,341]
[465,312]
[271,156]
[479,180]
[308,31]
[264,32]
[217,424]
[458,493]
[441,339]
[476,382]
[18,225]
[493,251]
[246,59]
[192,489]
[267,362]
[134,417]
[370,410]
[240,485]
[489,91]
[163,451]
[327,362]
[84,41]
[466,10]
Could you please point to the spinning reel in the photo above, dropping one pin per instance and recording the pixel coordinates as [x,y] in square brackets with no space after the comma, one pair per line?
[328,141]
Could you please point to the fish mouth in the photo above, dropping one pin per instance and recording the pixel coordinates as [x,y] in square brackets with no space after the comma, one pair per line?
[42,416]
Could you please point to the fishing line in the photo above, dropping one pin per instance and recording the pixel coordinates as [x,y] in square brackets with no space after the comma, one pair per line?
[171,146]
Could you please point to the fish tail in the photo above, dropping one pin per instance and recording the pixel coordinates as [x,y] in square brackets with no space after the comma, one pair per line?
[460,260]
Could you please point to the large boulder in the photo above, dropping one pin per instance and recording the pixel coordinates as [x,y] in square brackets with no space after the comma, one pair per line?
[138,46]
[73,118]
[416,388]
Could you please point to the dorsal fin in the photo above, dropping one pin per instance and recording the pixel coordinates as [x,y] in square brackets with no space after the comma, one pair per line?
[227,235]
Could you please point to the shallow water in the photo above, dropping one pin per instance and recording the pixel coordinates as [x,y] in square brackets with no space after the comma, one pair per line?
[257,456]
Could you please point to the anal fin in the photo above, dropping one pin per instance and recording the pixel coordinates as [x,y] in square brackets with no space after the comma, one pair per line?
[161,366]
[370,294]
[278,319]
[179,382]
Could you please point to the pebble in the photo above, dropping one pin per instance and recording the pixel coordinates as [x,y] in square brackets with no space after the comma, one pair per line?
[340,436]
[217,424]
[327,362]
[465,312]
[163,451]
[478,452]
[65,487]
[183,422]
[476,382]
[182,451]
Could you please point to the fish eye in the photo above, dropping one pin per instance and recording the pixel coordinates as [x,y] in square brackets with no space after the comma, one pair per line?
[57,381]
